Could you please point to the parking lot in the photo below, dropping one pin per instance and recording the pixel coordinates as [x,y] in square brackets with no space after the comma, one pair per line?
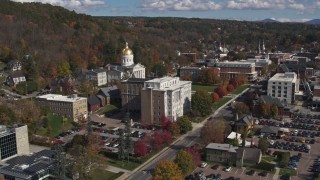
[241,173]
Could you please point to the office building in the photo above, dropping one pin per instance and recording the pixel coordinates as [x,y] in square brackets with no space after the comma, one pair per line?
[284,86]
[131,94]
[167,96]
[97,76]
[13,140]
[72,107]
[233,69]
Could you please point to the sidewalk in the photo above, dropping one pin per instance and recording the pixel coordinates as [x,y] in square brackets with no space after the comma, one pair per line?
[276,174]
[116,169]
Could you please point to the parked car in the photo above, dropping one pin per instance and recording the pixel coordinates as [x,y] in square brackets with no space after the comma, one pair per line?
[203,164]
[227,169]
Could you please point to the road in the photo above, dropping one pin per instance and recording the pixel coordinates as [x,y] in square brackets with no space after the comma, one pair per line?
[145,173]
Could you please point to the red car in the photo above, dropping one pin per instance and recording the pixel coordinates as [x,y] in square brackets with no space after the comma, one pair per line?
[215,167]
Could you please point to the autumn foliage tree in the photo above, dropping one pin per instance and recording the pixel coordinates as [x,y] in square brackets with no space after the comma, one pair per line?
[230,88]
[166,136]
[213,131]
[184,124]
[234,82]
[140,148]
[185,162]
[274,110]
[164,122]
[265,109]
[167,170]
[195,155]
[215,97]
[221,91]
[241,108]
[157,139]
[173,128]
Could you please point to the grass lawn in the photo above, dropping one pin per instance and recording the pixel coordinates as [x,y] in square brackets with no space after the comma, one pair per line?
[269,158]
[123,164]
[56,125]
[240,89]
[104,174]
[2,64]
[106,108]
[200,87]
[221,102]
[284,171]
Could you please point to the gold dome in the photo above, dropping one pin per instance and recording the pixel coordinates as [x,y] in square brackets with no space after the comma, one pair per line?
[127,51]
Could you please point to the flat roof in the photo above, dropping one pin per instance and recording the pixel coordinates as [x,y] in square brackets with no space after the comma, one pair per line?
[223,147]
[284,77]
[59,97]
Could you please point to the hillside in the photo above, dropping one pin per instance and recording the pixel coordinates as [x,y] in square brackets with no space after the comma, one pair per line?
[53,35]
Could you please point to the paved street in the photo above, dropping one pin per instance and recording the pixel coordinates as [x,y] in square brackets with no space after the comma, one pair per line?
[146,172]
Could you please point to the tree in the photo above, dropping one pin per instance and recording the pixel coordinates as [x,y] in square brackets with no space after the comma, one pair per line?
[159,70]
[166,136]
[140,148]
[263,145]
[173,128]
[157,139]
[265,109]
[167,170]
[234,142]
[184,124]
[230,88]
[241,108]
[215,97]
[64,69]
[221,91]
[242,79]
[185,162]
[164,121]
[195,155]
[274,110]
[234,82]
[201,103]
[213,131]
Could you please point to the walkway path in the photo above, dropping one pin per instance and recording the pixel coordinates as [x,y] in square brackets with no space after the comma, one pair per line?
[276,174]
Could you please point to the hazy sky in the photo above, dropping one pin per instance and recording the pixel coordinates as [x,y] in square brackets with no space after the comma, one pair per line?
[281,10]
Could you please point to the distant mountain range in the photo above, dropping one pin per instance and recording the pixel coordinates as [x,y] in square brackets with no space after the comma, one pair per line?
[313,21]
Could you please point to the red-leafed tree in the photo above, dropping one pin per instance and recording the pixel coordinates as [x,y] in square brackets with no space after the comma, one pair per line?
[140,148]
[164,121]
[234,82]
[166,136]
[230,87]
[221,91]
[157,139]
[215,97]
[195,155]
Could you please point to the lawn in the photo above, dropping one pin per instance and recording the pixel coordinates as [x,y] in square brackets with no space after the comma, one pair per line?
[221,102]
[2,64]
[56,125]
[240,89]
[104,174]
[284,171]
[124,164]
[269,158]
[200,87]
[106,108]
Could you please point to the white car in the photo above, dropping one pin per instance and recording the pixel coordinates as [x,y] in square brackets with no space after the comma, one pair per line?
[203,164]
[227,169]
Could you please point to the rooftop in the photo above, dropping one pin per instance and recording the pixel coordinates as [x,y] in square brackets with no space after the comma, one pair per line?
[223,147]
[284,77]
[59,97]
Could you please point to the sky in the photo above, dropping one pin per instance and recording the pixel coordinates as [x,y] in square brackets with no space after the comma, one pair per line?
[250,10]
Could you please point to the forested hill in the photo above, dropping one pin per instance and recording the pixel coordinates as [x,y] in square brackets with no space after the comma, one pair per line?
[53,35]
